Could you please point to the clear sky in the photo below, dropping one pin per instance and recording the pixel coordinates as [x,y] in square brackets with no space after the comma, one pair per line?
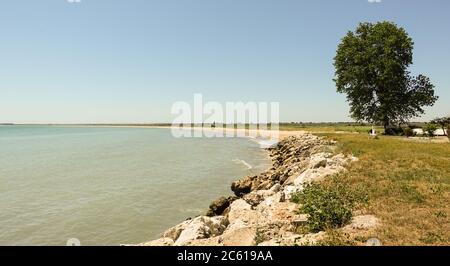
[128,60]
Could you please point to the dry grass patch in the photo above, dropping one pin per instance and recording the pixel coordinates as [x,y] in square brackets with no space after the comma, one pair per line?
[335,128]
[407,185]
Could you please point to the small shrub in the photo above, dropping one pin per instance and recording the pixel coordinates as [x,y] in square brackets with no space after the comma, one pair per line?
[408,132]
[393,131]
[429,129]
[440,214]
[431,238]
[259,237]
[411,194]
[327,208]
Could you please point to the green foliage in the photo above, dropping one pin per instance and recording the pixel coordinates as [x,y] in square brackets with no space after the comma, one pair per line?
[372,69]
[429,129]
[393,131]
[406,184]
[431,238]
[327,207]
[444,122]
[411,194]
[259,236]
[408,132]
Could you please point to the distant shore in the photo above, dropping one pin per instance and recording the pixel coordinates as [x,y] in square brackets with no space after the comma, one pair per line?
[228,131]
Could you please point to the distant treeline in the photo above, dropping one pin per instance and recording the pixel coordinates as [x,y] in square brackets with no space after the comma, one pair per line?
[350,124]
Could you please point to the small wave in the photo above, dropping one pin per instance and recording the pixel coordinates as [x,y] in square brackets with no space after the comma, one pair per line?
[249,167]
[265,143]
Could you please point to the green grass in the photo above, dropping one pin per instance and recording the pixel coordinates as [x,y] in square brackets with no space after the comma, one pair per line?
[328,206]
[407,185]
[330,128]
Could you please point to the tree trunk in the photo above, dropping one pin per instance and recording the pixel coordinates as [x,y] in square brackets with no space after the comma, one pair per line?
[386,126]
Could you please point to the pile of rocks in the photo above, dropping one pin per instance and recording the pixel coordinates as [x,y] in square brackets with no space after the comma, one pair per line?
[261,213]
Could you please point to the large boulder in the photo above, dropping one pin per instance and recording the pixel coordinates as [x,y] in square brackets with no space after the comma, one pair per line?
[254,198]
[198,228]
[244,236]
[243,186]
[219,206]
[261,212]
[175,231]
[240,210]
[318,160]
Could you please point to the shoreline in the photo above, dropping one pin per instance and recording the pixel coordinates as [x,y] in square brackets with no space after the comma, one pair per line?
[245,132]
[261,212]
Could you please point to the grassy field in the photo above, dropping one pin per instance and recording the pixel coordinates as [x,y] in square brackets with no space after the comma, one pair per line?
[330,128]
[407,185]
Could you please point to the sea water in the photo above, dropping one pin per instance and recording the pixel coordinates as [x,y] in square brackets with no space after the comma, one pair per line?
[111,185]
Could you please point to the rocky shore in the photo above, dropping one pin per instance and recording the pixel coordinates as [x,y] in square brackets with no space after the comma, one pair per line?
[261,212]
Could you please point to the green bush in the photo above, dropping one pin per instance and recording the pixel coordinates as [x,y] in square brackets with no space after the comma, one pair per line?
[393,131]
[327,207]
[408,132]
[429,129]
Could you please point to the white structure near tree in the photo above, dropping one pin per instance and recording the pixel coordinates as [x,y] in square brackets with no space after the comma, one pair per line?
[438,132]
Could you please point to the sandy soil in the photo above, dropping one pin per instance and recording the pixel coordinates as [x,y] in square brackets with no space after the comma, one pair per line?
[240,132]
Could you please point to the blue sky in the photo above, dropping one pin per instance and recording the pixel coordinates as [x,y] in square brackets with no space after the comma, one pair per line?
[128,60]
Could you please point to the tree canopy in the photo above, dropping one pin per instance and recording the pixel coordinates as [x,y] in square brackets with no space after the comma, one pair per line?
[443,122]
[372,69]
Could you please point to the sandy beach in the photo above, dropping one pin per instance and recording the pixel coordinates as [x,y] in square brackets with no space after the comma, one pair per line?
[220,131]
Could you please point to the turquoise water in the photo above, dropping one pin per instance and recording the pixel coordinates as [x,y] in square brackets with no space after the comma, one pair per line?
[109,186]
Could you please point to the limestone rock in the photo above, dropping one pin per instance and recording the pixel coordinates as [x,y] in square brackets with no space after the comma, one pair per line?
[310,239]
[200,228]
[289,190]
[175,231]
[253,198]
[275,188]
[269,243]
[212,241]
[243,186]
[262,213]
[300,220]
[158,243]
[256,197]
[318,160]
[240,237]
[241,211]
[290,239]
[219,206]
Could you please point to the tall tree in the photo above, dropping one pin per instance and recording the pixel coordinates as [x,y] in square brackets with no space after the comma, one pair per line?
[372,69]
